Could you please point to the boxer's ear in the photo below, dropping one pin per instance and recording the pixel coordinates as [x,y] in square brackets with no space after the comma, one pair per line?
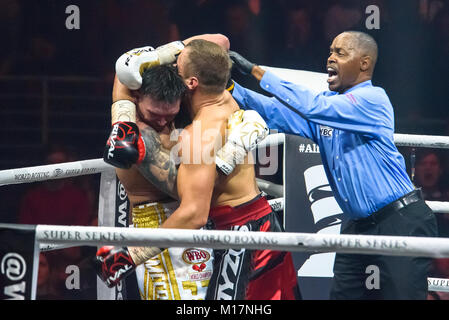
[191,83]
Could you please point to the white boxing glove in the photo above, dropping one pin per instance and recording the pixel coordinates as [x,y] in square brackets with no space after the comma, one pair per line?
[245,130]
[131,65]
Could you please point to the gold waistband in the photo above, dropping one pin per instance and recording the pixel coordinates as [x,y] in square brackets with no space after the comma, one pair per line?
[151,215]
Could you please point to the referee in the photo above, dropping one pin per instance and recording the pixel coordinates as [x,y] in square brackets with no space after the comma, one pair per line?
[353,124]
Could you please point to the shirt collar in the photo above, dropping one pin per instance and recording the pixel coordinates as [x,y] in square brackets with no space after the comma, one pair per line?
[366,83]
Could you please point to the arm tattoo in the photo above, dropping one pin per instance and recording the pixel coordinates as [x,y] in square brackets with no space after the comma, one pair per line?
[157,165]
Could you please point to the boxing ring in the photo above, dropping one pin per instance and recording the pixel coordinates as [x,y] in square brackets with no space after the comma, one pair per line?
[52,237]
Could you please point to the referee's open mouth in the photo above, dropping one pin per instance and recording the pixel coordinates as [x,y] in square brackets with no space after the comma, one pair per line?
[332,74]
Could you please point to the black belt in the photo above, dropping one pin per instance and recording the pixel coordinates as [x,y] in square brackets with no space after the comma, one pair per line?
[394,206]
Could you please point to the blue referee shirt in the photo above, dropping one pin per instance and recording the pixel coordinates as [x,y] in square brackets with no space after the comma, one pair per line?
[354,131]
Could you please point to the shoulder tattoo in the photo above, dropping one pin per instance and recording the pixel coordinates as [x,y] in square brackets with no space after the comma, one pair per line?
[157,166]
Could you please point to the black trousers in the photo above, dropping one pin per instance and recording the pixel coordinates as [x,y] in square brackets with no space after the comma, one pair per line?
[398,277]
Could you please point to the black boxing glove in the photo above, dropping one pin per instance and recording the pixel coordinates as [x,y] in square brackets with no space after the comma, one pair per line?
[113,264]
[242,64]
[125,146]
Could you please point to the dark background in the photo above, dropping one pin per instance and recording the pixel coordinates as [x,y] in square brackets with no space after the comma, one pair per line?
[55,83]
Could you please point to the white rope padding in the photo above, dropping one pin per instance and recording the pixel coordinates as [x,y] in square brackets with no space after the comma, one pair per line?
[85,167]
[438,284]
[434,284]
[52,171]
[424,141]
[276,205]
[44,247]
[438,206]
[217,239]
[92,166]
[272,140]
[400,139]
[270,188]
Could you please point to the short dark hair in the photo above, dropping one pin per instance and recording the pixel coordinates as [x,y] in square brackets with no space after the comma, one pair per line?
[365,43]
[210,63]
[162,83]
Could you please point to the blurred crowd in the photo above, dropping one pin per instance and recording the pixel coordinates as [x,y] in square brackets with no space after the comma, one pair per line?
[72,201]
[413,43]
[413,37]
[431,175]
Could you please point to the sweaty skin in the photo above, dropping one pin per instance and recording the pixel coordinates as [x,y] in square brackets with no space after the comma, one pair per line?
[240,186]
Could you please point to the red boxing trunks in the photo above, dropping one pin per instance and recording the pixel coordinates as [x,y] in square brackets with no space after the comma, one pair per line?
[251,274]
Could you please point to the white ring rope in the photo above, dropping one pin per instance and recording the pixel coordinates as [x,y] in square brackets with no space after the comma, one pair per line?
[434,284]
[77,168]
[52,171]
[272,140]
[438,206]
[270,188]
[44,247]
[276,191]
[85,167]
[400,139]
[276,205]
[415,140]
[217,239]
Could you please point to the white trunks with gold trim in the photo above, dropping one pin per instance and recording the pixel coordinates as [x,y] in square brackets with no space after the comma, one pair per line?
[175,273]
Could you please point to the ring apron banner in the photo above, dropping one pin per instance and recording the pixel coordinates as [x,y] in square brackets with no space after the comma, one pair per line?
[19,262]
[310,207]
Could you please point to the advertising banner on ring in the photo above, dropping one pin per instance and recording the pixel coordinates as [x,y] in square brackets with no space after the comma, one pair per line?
[114,212]
[19,262]
[126,289]
[309,207]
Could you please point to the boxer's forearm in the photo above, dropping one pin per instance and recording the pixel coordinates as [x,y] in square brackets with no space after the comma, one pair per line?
[121,92]
[195,188]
